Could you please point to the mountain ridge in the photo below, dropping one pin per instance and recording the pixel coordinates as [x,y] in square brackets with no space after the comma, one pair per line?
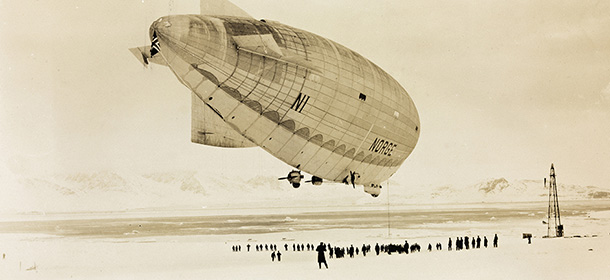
[122,190]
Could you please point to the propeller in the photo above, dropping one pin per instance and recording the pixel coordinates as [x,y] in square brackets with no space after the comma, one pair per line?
[294,177]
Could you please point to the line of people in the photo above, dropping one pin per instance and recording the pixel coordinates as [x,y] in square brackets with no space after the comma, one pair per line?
[339,252]
[461,243]
[273,247]
[466,242]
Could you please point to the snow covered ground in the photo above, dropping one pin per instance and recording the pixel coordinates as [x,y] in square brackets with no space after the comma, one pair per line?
[158,249]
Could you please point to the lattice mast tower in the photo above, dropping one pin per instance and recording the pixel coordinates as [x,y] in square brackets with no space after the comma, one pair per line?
[554,217]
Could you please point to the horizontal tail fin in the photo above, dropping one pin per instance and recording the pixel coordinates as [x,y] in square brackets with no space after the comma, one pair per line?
[143,55]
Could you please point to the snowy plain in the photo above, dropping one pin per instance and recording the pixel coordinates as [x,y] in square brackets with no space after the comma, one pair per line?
[138,246]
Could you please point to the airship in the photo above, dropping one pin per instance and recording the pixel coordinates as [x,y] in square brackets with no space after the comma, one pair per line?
[316,105]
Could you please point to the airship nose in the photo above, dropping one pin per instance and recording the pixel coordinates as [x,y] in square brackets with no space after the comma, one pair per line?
[170,28]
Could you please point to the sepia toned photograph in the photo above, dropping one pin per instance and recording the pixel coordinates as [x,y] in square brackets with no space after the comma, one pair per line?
[216,139]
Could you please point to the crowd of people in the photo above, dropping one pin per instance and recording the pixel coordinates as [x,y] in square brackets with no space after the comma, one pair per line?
[461,243]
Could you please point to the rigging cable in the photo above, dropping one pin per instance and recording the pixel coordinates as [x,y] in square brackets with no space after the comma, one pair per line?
[388,194]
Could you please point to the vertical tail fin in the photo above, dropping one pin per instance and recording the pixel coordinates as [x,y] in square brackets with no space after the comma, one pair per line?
[221,8]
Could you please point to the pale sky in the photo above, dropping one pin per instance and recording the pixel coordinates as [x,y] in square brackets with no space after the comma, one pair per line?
[503,88]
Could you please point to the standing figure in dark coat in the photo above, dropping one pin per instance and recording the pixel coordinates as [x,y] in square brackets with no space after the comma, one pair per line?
[466,243]
[377,249]
[273,256]
[478,242]
[485,241]
[495,240]
[449,244]
[279,256]
[321,257]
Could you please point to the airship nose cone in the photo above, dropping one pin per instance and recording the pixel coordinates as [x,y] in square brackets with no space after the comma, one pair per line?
[172,28]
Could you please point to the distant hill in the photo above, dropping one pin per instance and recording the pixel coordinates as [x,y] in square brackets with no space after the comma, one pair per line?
[118,191]
[502,190]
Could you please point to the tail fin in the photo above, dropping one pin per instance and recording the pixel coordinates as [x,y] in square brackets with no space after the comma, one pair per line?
[143,55]
[221,8]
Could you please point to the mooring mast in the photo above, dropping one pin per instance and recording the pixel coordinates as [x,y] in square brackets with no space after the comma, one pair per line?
[553,211]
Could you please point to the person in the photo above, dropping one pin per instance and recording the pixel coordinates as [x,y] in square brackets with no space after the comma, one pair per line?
[485,241]
[449,244]
[466,243]
[273,256]
[248,247]
[321,257]
[279,256]
[429,247]
[478,242]
[529,239]
[377,249]
[285,247]
[496,240]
